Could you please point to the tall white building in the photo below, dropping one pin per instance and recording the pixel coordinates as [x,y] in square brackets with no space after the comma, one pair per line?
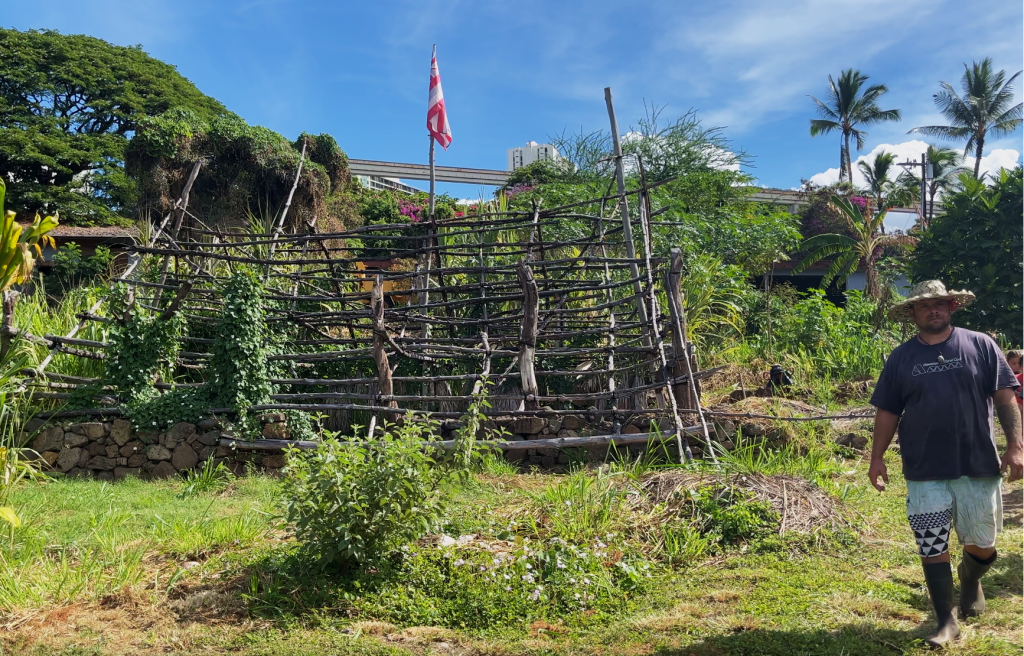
[530,153]
[394,184]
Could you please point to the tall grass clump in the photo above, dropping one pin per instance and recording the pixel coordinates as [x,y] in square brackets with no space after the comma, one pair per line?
[38,315]
[581,506]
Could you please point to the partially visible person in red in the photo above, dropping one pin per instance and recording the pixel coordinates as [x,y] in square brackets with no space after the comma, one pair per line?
[1015,359]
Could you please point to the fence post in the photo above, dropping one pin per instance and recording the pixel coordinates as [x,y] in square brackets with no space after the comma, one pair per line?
[680,348]
[385,387]
[528,336]
[685,358]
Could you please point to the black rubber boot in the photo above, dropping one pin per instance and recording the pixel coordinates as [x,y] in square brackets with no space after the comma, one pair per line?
[970,570]
[939,577]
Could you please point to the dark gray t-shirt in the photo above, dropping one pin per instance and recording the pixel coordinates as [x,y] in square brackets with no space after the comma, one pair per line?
[946,429]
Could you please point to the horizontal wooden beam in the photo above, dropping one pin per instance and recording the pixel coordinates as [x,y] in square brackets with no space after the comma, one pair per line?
[502,445]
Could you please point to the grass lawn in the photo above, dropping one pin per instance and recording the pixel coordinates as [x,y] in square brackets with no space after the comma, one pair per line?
[130,568]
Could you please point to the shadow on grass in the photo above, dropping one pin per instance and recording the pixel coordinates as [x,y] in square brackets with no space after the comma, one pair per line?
[289,582]
[851,640]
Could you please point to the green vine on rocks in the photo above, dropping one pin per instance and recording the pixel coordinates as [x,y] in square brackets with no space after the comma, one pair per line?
[239,369]
[239,366]
[138,343]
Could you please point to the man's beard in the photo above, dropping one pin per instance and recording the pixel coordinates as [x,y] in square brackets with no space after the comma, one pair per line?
[931,329]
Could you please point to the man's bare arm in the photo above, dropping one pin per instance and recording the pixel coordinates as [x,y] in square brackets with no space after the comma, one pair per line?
[1009,418]
[885,427]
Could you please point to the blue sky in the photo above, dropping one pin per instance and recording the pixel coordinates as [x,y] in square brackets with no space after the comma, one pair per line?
[519,71]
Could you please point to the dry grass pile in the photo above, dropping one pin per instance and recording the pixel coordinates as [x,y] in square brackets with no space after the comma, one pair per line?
[803,507]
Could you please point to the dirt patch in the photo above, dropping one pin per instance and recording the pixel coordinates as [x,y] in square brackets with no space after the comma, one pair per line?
[118,624]
[1013,507]
[802,506]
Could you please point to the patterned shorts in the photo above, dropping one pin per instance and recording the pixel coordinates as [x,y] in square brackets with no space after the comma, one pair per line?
[972,506]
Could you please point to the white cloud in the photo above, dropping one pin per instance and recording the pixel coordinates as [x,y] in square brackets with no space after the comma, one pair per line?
[1002,158]
[912,150]
[906,151]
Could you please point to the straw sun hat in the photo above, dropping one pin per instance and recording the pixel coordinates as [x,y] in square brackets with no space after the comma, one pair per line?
[928,290]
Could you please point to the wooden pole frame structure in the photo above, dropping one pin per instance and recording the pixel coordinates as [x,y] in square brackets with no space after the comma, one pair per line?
[575,311]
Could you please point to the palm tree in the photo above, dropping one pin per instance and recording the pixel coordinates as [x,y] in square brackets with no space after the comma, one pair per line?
[983,110]
[946,170]
[846,108]
[866,246]
[886,191]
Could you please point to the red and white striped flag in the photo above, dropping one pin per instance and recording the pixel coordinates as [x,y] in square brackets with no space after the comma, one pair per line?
[437,117]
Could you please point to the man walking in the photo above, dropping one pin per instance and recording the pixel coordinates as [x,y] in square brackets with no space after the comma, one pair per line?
[939,388]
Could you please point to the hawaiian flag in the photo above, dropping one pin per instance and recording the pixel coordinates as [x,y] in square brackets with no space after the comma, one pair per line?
[437,118]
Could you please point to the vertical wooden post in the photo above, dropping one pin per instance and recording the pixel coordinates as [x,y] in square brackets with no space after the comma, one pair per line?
[528,336]
[606,280]
[627,228]
[679,344]
[478,386]
[179,207]
[7,329]
[385,387]
[685,358]
[279,225]
[684,449]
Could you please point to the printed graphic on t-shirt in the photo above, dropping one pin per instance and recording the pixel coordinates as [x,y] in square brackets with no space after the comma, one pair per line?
[936,367]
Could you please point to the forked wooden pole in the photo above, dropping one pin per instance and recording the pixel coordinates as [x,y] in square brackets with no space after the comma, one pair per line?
[528,337]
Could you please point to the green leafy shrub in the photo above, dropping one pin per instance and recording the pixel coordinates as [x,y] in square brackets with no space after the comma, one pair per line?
[361,501]
[729,516]
[138,343]
[835,342]
[976,244]
[71,269]
[238,362]
[480,589]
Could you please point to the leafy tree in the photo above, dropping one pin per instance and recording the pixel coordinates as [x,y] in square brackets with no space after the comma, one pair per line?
[886,191]
[702,207]
[976,244]
[845,108]
[542,172]
[984,109]
[865,247]
[946,170]
[667,148]
[679,147]
[819,215]
[68,106]
[748,235]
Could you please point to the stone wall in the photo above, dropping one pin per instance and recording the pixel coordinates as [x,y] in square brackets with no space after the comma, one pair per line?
[112,449]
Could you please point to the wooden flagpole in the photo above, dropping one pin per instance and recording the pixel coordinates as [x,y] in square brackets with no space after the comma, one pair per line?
[433,56]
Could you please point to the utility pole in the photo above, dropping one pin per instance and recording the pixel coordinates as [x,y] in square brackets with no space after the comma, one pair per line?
[927,173]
